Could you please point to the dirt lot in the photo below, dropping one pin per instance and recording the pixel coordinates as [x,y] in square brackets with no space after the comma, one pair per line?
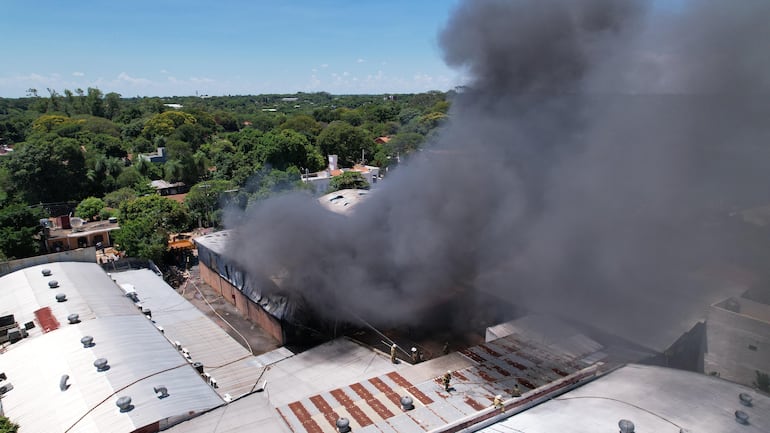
[225,315]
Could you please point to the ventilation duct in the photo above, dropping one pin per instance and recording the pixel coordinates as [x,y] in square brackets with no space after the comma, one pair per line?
[626,426]
[46,272]
[88,341]
[73,318]
[61,297]
[53,284]
[5,387]
[198,366]
[63,385]
[124,403]
[162,391]
[101,365]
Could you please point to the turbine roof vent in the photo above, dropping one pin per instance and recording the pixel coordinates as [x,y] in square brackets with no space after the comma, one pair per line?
[626,426]
[61,297]
[741,417]
[53,284]
[745,399]
[73,318]
[161,390]
[88,341]
[46,272]
[101,365]
[124,403]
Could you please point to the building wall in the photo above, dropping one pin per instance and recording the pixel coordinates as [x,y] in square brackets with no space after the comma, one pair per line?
[736,346]
[80,255]
[244,305]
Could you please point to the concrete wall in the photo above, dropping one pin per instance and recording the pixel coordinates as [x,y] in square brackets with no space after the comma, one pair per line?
[79,255]
[736,346]
[244,305]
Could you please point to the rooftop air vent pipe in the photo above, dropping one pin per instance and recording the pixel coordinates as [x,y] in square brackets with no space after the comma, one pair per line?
[73,318]
[626,426]
[53,284]
[46,272]
[101,365]
[741,417]
[407,403]
[343,425]
[61,297]
[745,399]
[124,403]
[161,390]
[88,341]
[63,385]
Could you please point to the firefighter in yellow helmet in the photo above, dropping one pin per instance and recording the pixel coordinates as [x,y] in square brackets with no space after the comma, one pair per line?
[498,403]
[446,379]
[393,353]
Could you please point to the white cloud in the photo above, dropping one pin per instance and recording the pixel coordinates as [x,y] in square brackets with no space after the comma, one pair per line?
[360,60]
[133,80]
[325,65]
[78,74]
[163,71]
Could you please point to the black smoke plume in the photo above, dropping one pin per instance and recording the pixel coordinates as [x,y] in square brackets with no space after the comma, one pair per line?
[588,170]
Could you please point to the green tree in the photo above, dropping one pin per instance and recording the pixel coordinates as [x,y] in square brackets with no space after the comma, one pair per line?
[164,124]
[286,148]
[19,224]
[206,200]
[89,208]
[49,170]
[345,141]
[6,426]
[115,198]
[348,180]
[145,224]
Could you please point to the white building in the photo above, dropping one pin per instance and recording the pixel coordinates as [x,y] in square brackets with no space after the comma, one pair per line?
[738,340]
[56,381]
[320,180]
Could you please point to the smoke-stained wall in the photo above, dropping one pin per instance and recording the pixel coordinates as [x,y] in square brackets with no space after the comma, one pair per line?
[580,173]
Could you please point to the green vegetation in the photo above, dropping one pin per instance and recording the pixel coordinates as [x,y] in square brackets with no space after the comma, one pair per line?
[348,180]
[6,426]
[85,146]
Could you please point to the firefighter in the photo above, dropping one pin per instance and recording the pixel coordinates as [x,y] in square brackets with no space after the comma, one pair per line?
[516,392]
[415,355]
[498,403]
[393,353]
[446,379]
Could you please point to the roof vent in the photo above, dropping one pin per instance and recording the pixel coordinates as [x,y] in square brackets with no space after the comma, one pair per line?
[626,426]
[741,417]
[407,403]
[73,318]
[53,284]
[46,272]
[124,403]
[343,425]
[162,391]
[63,385]
[101,365]
[61,297]
[745,399]
[88,341]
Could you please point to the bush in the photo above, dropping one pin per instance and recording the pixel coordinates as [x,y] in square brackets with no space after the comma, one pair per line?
[89,208]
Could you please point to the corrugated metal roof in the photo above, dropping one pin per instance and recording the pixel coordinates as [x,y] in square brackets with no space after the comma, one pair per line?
[655,399]
[139,357]
[232,365]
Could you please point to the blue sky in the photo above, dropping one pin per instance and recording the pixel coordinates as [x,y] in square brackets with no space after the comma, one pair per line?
[176,47]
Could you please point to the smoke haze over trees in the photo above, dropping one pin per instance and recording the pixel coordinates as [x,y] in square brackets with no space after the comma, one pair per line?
[587,170]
